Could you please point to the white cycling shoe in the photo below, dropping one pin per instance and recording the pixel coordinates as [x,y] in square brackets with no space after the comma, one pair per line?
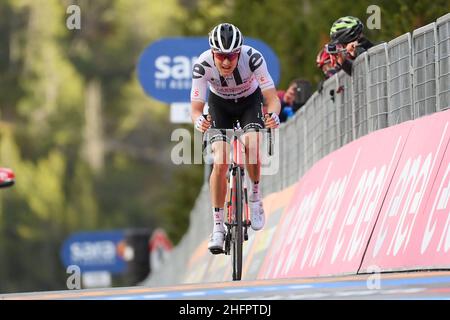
[215,244]
[257,217]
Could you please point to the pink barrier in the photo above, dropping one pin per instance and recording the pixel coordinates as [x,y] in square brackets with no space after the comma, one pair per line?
[412,230]
[334,209]
[381,201]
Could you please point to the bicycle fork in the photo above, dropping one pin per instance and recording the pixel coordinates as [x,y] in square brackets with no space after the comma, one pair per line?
[247,220]
[230,214]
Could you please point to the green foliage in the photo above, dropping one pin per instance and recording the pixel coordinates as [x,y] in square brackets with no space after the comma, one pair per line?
[45,70]
[297,29]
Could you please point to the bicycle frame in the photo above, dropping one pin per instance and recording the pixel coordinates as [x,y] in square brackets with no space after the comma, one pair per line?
[237,154]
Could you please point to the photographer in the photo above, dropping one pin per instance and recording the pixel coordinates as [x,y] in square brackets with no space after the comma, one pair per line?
[347,42]
[327,63]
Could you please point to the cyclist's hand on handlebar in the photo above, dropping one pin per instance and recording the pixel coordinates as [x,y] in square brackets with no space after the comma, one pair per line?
[203,123]
[271,120]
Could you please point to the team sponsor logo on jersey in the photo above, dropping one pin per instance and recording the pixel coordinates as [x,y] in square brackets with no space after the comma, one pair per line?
[198,71]
[255,60]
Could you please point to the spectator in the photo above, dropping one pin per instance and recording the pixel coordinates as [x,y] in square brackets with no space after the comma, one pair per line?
[293,98]
[328,64]
[348,33]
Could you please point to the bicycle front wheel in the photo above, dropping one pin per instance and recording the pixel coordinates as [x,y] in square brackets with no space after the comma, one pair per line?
[237,231]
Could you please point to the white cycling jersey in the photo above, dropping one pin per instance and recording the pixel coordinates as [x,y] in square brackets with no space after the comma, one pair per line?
[251,72]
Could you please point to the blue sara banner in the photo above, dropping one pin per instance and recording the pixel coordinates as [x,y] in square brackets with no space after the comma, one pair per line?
[165,67]
[95,251]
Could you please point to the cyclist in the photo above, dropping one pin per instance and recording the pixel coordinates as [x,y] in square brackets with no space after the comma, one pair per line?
[348,32]
[238,79]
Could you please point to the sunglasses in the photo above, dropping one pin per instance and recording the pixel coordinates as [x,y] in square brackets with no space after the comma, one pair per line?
[230,56]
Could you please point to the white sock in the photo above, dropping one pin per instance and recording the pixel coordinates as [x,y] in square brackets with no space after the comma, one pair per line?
[218,219]
[254,192]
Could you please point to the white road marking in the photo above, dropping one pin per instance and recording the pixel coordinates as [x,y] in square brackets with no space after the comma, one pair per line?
[235,290]
[308,296]
[355,293]
[194,293]
[299,286]
[155,296]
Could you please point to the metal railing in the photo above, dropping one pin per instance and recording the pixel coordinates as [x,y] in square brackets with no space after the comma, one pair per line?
[393,82]
[443,57]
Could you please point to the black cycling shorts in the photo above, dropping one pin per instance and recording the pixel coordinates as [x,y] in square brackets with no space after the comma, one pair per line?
[225,112]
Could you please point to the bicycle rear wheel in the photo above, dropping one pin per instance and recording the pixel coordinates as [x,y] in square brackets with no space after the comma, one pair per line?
[237,230]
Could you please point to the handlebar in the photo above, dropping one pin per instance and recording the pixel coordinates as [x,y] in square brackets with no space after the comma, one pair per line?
[270,148]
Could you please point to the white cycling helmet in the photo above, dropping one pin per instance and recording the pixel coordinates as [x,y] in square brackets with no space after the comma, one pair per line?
[225,38]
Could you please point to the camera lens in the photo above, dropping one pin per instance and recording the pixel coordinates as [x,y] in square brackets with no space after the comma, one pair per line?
[331,48]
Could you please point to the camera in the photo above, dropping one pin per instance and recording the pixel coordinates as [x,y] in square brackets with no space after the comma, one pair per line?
[332,48]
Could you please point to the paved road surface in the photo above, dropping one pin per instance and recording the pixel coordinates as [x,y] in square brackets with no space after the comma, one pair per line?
[414,285]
